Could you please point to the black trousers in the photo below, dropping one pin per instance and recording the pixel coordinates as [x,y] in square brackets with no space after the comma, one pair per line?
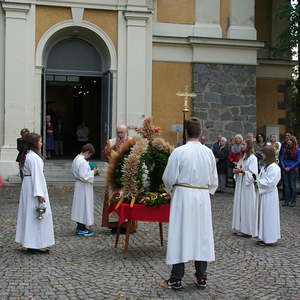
[177,272]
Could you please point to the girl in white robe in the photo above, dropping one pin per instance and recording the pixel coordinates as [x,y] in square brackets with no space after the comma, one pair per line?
[269,218]
[83,199]
[245,207]
[31,232]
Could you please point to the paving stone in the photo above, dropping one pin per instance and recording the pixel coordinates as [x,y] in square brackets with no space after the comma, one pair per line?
[91,268]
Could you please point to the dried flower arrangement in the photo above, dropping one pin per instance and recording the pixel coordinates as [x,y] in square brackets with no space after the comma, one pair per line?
[135,171]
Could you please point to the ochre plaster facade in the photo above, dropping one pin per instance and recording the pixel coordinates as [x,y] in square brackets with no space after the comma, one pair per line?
[168,79]
[47,16]
[263,21]
[176,11]
[105,19]
[267,99]
[224,16]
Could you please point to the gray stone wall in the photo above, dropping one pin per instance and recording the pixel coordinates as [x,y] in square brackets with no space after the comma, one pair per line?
[226,99]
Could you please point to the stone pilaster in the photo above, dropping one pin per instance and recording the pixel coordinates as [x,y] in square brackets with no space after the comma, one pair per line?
[19,53]
[242,17]
[137,71]
[207,19]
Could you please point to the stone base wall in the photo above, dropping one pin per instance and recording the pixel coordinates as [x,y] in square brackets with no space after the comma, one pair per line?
[226,99]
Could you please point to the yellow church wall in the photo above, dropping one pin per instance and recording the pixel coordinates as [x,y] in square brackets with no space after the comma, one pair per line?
[267,98]
[47,16]
[224,16]
[263,20]
[168,78]
[176,11]
[107,20]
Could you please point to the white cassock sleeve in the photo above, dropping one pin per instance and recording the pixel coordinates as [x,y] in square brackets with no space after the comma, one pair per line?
[37,176]
[252,169]
[268,180]
[85,173]
[171,172]
[213,182]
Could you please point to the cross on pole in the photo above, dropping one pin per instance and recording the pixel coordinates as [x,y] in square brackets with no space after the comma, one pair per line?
[185,109]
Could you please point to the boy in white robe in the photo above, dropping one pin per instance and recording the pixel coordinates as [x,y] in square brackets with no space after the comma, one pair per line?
[33,233]
[245,207]
[83,199]
[269,218]
[191,176]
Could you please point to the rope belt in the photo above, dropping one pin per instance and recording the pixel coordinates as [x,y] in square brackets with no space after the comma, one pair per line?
[191,187]
[26,174]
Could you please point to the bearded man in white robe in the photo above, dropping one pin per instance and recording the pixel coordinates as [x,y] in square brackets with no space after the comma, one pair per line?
[191,176]
[83,199]
[269,216]
[245,205]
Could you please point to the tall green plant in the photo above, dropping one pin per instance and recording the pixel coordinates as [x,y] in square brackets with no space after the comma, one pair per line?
[288,45]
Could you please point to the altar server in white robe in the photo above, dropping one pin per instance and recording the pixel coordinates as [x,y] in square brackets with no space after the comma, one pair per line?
[34,234]
[245,206]
[83,199]
[269,218]
[191,176]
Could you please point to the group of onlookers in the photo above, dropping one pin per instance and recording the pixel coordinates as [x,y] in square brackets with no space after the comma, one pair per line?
[256,166]
[287,156]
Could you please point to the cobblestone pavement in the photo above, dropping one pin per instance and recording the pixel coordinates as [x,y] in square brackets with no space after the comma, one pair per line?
[90,268]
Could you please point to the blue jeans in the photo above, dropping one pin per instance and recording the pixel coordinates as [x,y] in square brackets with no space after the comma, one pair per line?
[290,186]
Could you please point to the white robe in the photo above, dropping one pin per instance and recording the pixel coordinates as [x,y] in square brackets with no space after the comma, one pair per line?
[31,232]
[83,199]
[245,206]
[190,234]
[269,218]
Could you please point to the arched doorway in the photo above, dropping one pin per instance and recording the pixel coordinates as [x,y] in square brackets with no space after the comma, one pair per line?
[77,89]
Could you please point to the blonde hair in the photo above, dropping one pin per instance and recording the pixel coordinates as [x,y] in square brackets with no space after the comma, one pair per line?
[238,136]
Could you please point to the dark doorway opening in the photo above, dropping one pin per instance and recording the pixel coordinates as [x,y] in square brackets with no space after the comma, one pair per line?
[70,101]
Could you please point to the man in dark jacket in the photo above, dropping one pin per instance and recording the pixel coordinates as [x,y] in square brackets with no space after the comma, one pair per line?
[221,154]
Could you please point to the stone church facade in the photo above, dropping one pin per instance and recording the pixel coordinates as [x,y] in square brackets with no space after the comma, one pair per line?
[139,54]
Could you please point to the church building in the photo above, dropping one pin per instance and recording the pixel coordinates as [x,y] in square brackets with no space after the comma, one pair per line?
[110,62]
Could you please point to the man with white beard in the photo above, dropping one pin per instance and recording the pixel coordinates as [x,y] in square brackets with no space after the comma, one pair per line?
[191,176]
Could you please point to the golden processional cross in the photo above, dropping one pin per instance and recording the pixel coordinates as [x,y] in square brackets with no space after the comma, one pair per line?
[187,96]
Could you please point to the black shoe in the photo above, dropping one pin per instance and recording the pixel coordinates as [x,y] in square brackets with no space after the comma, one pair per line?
[175,285]
[262,243]
[38,251]
[292,205]
[285,204]
[201,284]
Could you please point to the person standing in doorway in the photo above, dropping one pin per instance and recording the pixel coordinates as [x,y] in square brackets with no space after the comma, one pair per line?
[49,137]
[32,233]
[191,176]
[58,138]
[83,199]
[20,148]
[82,133]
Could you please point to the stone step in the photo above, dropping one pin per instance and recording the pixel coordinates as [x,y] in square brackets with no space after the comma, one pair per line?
[59,172]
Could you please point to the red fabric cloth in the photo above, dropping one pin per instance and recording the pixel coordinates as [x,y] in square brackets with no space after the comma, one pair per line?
[140,212]
[234,157]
